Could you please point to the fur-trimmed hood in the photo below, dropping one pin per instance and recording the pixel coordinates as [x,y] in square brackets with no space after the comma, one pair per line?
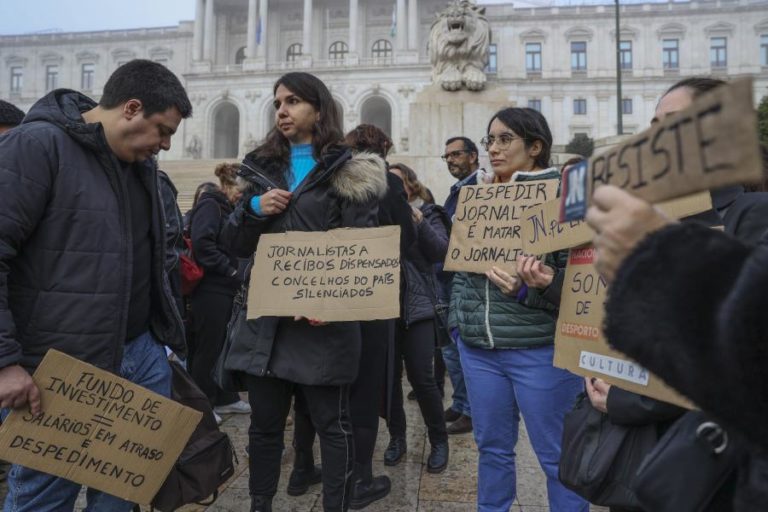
[362,177]
[355,177]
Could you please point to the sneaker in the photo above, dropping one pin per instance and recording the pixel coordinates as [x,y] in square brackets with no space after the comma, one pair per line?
[239,407]
[217,418]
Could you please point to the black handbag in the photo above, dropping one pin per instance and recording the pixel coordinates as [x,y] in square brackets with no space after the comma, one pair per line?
[690,463]
[599,458]
[227,379]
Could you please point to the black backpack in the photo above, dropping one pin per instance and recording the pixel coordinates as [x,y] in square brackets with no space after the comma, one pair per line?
[206,461]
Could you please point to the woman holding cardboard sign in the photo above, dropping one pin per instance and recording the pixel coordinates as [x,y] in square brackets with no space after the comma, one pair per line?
[504,326]
[301,179]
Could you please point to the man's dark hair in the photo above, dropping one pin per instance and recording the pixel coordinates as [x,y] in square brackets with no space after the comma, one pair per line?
[698,84]
[10,114]
[531,126]
[153,84]
[468,144]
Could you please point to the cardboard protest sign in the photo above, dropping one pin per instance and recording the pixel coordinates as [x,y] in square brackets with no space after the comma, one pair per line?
[710,144]
[486,227]
[337,275]
[542,232]
[99,430]
[579,343]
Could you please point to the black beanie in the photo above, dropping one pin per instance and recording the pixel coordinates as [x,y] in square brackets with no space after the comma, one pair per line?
[9,114]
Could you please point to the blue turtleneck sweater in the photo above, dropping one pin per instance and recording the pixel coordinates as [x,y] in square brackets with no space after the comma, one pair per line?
[302,163]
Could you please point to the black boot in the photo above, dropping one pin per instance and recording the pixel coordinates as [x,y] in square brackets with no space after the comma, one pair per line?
[304,474]
[365,488]
[438,458]
[395,451]
[261,503]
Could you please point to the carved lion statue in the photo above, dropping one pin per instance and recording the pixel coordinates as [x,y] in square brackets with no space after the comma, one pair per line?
[458,46]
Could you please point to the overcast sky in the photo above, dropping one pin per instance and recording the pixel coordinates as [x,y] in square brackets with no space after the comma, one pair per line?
[26,16]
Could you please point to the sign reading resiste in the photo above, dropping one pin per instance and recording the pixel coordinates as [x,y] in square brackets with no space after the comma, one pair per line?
[486,228]
[579,343]
[99,430]
[542,231]
[712,143]
[337,275]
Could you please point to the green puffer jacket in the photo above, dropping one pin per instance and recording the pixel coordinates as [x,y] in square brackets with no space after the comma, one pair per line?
[486,318]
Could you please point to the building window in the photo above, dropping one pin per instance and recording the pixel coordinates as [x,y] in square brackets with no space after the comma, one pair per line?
[240,55]
[533,57]
[51,77]
[625,54]
[535,104]
[580,107]
[718,52]
[492,58]
[578,56]
[338,50]
[626,106]
[86,76]
[293,53]
[17,79]
[764,50]
[381,49]
[670,55]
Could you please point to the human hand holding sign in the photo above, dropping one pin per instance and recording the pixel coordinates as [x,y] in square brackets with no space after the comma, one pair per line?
[620,221]
[597,391]
[508,284]
[312,321]
[18,389]
[274,201]
[533,272]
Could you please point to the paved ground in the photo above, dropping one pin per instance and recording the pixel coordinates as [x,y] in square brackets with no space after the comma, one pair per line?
[413,488]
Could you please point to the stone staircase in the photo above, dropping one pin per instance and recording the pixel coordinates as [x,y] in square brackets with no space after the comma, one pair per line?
[188,174]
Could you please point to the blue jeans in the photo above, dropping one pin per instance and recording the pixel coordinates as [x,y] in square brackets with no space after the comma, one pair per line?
[456,374]
[144,363]
[502,386]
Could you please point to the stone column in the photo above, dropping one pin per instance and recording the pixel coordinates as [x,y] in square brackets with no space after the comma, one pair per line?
[353,20]
[250,48]
[210,30]
[197,43]
[263,13]
[413,25]
[402,35]
[306,48]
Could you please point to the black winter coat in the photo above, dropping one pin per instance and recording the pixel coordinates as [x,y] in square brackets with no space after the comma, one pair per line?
[65,241]
[216,257]
[689,304]
[341,191]
[420,286]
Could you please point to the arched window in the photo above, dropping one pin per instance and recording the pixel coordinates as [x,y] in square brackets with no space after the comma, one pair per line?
[293,53]
[381,49]
[376,111]
[240,55]
[226,131]
[338,50]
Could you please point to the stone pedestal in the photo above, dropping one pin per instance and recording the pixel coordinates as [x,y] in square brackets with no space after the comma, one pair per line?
[437,115]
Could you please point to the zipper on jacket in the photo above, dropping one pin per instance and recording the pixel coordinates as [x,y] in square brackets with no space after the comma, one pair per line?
[267,183]
[488,312]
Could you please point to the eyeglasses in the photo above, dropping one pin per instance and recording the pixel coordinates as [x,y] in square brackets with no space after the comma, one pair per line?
[454,154]
[503,141]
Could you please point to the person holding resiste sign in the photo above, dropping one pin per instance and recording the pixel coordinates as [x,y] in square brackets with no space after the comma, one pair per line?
[301,179]
[652,273]
[504,326]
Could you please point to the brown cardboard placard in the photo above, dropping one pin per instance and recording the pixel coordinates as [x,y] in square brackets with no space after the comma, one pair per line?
[579,343]
[711,144]
[334,276]
[99,430]
[486,227]
[542,232]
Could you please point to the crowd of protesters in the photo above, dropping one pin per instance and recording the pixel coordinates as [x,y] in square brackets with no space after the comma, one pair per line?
[88,195]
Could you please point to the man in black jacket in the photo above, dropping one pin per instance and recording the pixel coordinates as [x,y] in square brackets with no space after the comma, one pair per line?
[82,249]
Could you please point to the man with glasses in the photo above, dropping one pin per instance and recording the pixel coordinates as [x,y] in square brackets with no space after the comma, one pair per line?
[462,158]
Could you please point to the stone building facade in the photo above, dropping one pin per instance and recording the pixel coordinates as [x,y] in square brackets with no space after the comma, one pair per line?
[373,55]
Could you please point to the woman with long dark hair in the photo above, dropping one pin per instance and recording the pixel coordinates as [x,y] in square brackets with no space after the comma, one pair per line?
[301,179]
[415,332]
[505,335]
